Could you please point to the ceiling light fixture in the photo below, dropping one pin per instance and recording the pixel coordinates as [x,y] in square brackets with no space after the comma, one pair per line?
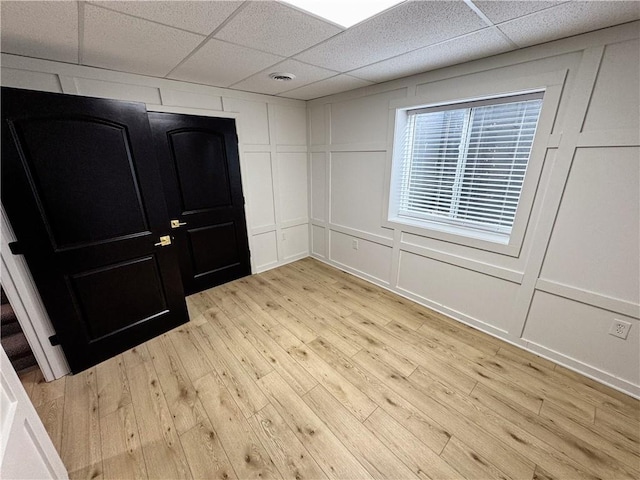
[281,76]
[344,13]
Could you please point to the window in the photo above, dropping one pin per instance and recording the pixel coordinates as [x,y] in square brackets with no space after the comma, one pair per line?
[461,167]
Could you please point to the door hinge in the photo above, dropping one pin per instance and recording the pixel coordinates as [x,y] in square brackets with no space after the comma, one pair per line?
[16,248]
[54,340]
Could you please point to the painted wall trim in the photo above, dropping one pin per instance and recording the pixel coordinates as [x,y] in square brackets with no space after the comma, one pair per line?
[599,300]
[354,232]
[189,111]
[621,137]
[81,71]
[263,229]
[587,72]
[474,265]
[283,148]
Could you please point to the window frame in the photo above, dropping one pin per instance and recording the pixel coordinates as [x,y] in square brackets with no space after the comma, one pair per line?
[550,84]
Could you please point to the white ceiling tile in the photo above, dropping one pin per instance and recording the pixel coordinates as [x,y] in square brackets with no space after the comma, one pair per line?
[196,16]
[569,19]
[120,42]
[305,74]
[276,28]
[41,29]
[223,64]
[500,11]
[406,27]
[337,84]
[463,49]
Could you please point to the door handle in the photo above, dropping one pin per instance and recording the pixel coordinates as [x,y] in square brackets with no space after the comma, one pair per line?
[164,241]
[177,223]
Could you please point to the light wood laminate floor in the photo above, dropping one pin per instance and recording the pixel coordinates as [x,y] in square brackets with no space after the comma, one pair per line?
[308,372]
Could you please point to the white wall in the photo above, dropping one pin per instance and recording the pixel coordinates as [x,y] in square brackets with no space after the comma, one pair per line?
[272,133]
[578,266]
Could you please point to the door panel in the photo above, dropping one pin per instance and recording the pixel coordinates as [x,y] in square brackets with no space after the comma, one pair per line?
[82,190]
[200,170]
[135,283]
[90,153]
[202,174]
[206,259]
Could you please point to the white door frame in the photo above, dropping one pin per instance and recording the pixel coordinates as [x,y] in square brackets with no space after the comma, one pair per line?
[26,450]
[26,302]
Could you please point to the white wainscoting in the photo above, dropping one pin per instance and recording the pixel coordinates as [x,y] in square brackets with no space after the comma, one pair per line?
[578,267]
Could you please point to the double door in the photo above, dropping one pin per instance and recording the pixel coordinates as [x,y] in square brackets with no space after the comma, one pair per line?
[88,192]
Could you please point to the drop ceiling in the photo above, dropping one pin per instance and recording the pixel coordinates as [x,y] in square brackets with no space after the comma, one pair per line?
[237,44]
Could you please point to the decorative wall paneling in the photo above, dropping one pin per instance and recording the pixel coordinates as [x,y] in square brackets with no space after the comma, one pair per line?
[578,267]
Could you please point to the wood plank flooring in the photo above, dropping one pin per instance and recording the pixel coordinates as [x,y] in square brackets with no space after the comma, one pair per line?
[308,372]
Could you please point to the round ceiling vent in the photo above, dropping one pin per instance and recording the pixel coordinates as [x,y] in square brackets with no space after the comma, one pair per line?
[281,76]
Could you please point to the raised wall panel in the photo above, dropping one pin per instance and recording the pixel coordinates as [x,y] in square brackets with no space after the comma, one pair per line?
[370,258]
[594,245]
[296,241]
[482,297]
[363,120]
[182,98]
[265,250]
[292,183]
[616,96]
[291,125]
[318,185]
[119,91]
[260,189]
[581,332]
[317,130]
[44,82]
[318,241]
[357,186]
[253,129]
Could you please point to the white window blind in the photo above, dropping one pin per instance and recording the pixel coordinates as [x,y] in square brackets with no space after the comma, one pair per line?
[465,164]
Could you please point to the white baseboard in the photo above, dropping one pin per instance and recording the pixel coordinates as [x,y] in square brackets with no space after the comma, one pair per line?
[587,370]
[271,266]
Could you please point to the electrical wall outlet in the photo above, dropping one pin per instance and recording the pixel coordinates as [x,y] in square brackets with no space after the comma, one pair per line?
[620,328]
[284,236]
[354,244]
